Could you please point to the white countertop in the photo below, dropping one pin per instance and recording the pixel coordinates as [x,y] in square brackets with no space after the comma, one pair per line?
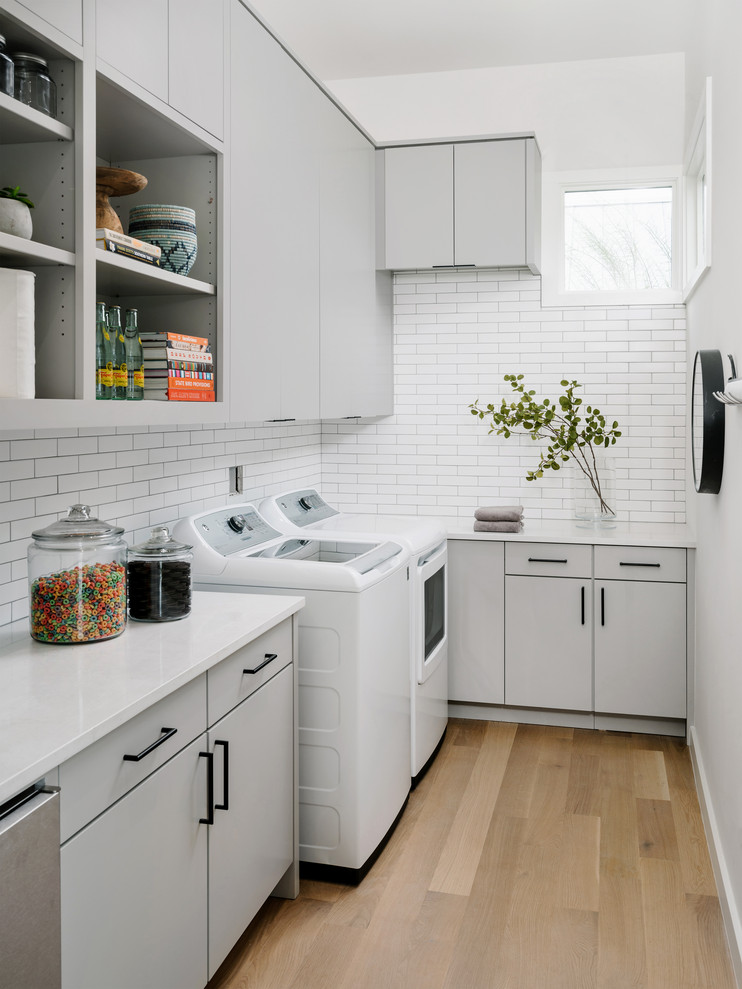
[57,699]
[550,531]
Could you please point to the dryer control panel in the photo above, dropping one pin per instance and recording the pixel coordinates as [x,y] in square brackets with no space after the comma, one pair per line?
[304,507]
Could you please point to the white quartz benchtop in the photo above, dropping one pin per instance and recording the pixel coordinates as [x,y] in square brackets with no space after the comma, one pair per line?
[57,699]
[545,531]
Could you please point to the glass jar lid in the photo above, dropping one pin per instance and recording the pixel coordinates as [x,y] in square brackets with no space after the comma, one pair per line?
[161,544]
[79,524]
[29,57]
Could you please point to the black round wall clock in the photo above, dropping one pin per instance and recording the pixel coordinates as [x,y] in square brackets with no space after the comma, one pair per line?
[707,421]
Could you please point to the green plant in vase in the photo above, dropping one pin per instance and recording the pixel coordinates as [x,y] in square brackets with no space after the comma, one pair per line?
[574,433]
[15,212]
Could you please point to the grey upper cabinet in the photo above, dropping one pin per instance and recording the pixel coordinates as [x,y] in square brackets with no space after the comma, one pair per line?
[475,203]
[309,337]
[274,235]
[355,339]
[172,50]
[65,15]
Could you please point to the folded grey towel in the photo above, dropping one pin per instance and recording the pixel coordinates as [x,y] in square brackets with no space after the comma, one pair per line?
[498,526]
[499,513]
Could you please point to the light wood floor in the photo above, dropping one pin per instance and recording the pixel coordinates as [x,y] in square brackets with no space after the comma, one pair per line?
[527,858]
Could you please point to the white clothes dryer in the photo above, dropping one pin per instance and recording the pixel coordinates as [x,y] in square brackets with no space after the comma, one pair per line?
[305,511]
[354,691]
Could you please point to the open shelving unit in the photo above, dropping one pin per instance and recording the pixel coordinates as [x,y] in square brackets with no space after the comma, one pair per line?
[104,119]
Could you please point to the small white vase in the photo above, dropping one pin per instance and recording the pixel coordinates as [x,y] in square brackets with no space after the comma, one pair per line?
[15,218]
[590,507]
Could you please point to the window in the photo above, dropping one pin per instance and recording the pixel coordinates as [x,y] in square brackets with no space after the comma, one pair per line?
[618,239]
[611,238]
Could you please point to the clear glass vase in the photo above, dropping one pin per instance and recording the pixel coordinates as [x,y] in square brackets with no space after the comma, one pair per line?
[593,498]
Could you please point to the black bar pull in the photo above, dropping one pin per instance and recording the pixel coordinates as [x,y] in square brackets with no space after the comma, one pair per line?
[269,657]
[602,605]
[541,559]
[582,605]
[167,733]
[622,564]
[225,796]
[209,756]
[453,266]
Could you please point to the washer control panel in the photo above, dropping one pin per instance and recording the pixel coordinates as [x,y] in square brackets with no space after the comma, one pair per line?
[234,529]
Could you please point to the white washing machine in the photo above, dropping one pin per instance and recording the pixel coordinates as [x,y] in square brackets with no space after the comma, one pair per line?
[305,511]
[354,691]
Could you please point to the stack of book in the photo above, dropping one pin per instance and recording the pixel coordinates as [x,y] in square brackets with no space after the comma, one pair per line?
[177,367]
[127,247]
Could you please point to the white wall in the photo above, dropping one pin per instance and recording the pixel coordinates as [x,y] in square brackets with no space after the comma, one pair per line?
[714,322]
[601,113]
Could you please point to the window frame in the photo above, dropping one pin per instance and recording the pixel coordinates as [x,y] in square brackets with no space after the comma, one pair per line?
[697,189]
[555,185]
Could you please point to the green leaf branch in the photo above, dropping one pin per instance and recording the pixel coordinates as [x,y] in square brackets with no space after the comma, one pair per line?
[571,431]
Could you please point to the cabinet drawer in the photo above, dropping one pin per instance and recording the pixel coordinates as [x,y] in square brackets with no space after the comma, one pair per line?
[229,683]
[640,563]
[548,559]
[99,775]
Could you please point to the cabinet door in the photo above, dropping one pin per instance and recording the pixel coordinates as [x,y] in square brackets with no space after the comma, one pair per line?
[490,203]
[196,63]
[135,41]
[418,206]
[640,648]
[134,886]
[476,627]
[355,349]
[252,842]
[548,643]
[66,15]
[274,229]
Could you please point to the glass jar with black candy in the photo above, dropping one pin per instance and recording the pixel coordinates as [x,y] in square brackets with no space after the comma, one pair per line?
[159,571]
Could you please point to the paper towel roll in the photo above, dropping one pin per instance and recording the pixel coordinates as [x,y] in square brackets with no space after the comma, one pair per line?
[17,364]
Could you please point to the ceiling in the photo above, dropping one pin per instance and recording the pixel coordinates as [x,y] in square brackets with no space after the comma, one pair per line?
[345,39]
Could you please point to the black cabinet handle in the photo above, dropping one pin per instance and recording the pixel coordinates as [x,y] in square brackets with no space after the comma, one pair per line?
[209,756]
[225,796]
[167,733]
[582,605]
[453,265]
[639,564]
[540,559]
[602,605]
[269,657]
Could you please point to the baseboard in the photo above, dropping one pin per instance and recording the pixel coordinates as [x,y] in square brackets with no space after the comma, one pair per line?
[730,913]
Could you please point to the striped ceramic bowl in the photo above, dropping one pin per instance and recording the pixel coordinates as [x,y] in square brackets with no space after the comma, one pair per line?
[172,228]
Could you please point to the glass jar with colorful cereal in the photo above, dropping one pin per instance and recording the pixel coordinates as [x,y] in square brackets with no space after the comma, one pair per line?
[77,580]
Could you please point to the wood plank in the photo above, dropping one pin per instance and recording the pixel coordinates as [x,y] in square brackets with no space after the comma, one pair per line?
[619,848]
[695,861]
[574,950]
[579,882]
[706,953]
[665,927]
[460,857]
[621,953]
[656,830]
[650,778]
[517,786]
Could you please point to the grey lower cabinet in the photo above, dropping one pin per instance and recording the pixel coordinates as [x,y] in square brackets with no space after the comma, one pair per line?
[476,628]
[174,836]
[570,627]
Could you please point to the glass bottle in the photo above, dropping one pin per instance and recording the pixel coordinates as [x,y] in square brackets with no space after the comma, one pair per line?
[103,355]
[32,85]
[120,374]
[6,70]
[134,358]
